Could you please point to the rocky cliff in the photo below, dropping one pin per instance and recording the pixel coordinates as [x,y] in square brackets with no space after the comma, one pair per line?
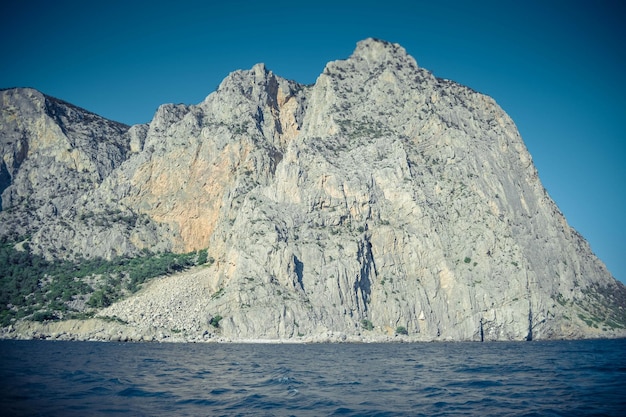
[379,200]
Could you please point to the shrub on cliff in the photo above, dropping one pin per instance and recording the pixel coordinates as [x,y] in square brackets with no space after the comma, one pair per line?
[402,330]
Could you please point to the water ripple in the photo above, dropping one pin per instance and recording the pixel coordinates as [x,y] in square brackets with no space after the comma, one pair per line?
[521,379]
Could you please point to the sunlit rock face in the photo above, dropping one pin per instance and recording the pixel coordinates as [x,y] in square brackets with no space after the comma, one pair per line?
[380,197]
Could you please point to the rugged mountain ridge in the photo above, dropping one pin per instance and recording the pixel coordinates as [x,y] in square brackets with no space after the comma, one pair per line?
[52,152]
[380,198]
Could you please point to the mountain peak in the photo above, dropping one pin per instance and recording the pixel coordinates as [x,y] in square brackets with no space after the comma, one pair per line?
[379,199]
[377,50]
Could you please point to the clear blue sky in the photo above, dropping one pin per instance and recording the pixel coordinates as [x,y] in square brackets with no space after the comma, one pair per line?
[557,68]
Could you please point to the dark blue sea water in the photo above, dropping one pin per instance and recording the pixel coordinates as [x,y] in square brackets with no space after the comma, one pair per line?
[44,378]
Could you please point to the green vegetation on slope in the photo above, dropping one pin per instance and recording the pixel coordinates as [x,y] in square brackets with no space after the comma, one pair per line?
[34,288]
[605,307]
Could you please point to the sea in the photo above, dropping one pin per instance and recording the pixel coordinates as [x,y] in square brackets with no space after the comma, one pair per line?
[560,378]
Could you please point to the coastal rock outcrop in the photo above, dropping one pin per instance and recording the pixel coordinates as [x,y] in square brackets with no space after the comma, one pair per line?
[381,200]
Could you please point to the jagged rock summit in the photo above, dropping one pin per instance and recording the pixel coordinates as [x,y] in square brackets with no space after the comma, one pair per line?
[379,200]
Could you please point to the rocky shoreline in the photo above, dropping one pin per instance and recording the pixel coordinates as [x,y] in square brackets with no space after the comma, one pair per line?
[107,330]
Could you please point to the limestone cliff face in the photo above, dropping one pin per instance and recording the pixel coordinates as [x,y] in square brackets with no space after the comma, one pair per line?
[198,162]
[381,194]
[52,153]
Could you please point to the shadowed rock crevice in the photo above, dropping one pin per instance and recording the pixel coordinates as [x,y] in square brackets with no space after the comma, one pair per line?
[299,270]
